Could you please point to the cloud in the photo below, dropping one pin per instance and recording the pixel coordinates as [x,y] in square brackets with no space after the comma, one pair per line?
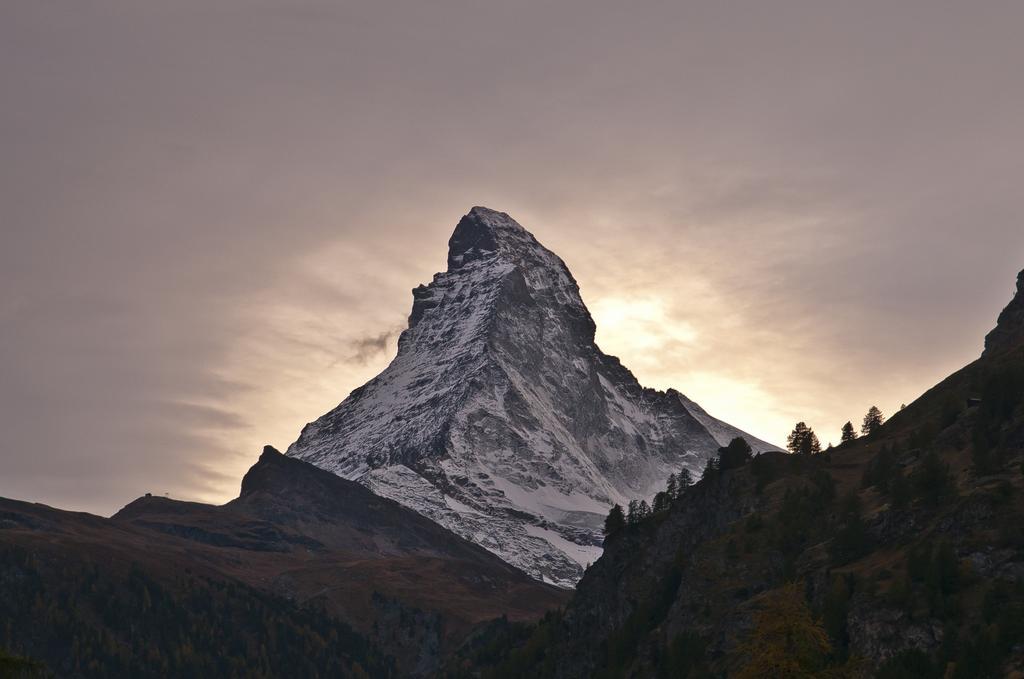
[365,348]
[214,212]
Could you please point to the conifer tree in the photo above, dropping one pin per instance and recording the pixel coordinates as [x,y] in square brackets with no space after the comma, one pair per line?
[848,433]
[685,481]
[872,421]
[615,521]
[934,481]
[796,437]
[672,487]
[803,441]
[811,445]
[900,490]
[633,515]
[710,468]
[734,455]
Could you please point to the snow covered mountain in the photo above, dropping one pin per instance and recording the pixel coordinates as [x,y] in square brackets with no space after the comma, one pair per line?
[502,420]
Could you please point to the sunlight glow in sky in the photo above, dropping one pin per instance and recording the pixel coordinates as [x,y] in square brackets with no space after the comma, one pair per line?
[214,211]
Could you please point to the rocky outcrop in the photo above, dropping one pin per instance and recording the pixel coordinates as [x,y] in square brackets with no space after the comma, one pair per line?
[880,633]
[1009,330]
[501,419]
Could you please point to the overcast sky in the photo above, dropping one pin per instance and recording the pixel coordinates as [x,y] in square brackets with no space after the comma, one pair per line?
[213,211]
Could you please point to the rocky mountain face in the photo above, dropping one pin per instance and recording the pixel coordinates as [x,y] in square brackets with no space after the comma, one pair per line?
[1009,330]
[321,573]
[906,547]
[502,420]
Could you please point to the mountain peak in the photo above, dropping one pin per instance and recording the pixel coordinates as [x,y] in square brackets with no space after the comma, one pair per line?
[1009,330]
[270,453]
[275,473]
[483,232]
[501,419]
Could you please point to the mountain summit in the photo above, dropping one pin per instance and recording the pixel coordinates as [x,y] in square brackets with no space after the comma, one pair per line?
[501,419]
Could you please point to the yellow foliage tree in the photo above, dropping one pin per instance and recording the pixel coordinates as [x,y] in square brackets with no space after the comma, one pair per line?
[787,642]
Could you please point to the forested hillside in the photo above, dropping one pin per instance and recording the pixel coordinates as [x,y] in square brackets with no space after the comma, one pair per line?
[90,619]
[899,553]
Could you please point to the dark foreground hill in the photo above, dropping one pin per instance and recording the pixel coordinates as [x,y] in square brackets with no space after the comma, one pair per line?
[303,575]
[899,554]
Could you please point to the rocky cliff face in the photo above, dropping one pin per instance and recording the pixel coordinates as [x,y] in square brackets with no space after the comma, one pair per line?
[501,419]
[1009,330]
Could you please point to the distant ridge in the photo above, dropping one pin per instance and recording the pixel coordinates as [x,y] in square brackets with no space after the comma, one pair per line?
[300,550]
